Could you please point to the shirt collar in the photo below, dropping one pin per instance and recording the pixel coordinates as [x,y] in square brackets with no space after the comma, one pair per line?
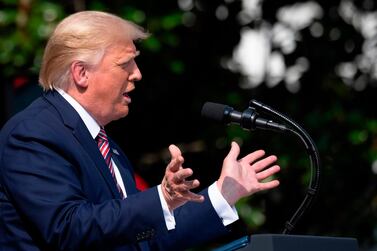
[89,121]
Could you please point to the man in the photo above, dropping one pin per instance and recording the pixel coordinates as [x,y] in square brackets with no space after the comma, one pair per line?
[64,185]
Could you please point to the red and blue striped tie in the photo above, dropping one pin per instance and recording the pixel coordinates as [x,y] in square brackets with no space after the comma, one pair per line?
[104,147]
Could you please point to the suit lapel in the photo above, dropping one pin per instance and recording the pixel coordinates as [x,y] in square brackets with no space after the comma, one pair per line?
[124,168]
[125,172]
[83,136]
[73,121]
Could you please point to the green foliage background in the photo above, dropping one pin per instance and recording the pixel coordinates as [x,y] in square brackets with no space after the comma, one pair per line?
[181,66]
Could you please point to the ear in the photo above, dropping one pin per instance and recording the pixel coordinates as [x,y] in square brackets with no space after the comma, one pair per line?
[79,74]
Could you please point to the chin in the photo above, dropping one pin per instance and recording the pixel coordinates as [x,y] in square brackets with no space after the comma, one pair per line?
[118,115]
[123,114]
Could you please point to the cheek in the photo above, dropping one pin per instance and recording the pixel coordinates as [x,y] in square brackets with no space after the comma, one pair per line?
[110,87]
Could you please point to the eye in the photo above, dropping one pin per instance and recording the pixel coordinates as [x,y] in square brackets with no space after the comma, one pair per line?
[125,65]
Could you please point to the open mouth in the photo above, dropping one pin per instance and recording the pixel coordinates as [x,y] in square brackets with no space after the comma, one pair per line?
[127,97]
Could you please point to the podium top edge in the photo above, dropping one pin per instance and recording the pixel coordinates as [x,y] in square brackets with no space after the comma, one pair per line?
[300,236]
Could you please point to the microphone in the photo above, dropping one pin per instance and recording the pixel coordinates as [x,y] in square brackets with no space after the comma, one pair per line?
[248,119]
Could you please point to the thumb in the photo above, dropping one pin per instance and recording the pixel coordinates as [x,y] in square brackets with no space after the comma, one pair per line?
[234,151]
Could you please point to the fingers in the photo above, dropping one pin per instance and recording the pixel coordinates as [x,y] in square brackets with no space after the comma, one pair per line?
[176,159]
[268,172]
[175,165]
[175,187]
[181,175]
[179,182]
[263,163]
[252,157]
[268,185]
[182,187]
[174,151]
[184,196]
[246,176]
[187,185]
[177,194]
[190,196]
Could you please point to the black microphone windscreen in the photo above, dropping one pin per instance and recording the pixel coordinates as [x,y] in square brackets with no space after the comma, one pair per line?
[213,111]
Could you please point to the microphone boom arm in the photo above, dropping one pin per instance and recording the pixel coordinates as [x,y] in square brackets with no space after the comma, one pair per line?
[311,148]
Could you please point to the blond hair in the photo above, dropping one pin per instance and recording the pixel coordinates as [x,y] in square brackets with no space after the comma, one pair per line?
[83,36]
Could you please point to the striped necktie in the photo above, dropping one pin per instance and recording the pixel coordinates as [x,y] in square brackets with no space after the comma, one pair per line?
[104,147]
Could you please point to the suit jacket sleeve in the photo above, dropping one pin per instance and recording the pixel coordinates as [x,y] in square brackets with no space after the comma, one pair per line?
[196,223]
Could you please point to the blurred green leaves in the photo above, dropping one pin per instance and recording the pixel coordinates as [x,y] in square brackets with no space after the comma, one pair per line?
[171,21]
[253,216]
[133,14]
[25,27]
[358,137]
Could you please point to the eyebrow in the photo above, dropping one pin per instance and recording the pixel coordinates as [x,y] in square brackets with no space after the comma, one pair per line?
[137,53]
[126,60]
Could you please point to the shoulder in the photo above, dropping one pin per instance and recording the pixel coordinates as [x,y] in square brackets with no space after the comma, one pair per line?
[36,120]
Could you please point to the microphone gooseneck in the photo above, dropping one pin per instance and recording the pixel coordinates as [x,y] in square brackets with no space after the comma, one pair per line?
[249,119]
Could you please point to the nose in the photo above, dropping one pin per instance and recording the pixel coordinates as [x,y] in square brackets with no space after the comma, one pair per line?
[136,74]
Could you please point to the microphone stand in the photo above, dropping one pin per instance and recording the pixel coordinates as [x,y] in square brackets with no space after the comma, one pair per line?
[284,241]
[312,151]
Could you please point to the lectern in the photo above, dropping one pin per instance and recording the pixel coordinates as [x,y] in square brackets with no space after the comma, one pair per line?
[282,242]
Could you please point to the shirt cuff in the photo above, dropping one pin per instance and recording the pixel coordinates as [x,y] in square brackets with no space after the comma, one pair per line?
[227,213]
[168,216]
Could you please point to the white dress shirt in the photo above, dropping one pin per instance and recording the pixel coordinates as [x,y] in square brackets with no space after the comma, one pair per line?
[227,213]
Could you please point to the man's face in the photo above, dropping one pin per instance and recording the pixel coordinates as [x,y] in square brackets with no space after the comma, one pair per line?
[111,81]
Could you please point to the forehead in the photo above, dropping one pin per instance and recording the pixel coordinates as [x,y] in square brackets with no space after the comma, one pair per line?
[121,51]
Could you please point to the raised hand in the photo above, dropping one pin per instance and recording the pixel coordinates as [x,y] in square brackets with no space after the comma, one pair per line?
[174,186]
[243,177]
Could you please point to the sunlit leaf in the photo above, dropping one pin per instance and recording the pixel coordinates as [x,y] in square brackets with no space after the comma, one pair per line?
[177,67]
[171,21]
[152,44]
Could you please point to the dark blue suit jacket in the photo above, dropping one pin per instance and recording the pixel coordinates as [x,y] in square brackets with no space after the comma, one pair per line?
[56,192]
